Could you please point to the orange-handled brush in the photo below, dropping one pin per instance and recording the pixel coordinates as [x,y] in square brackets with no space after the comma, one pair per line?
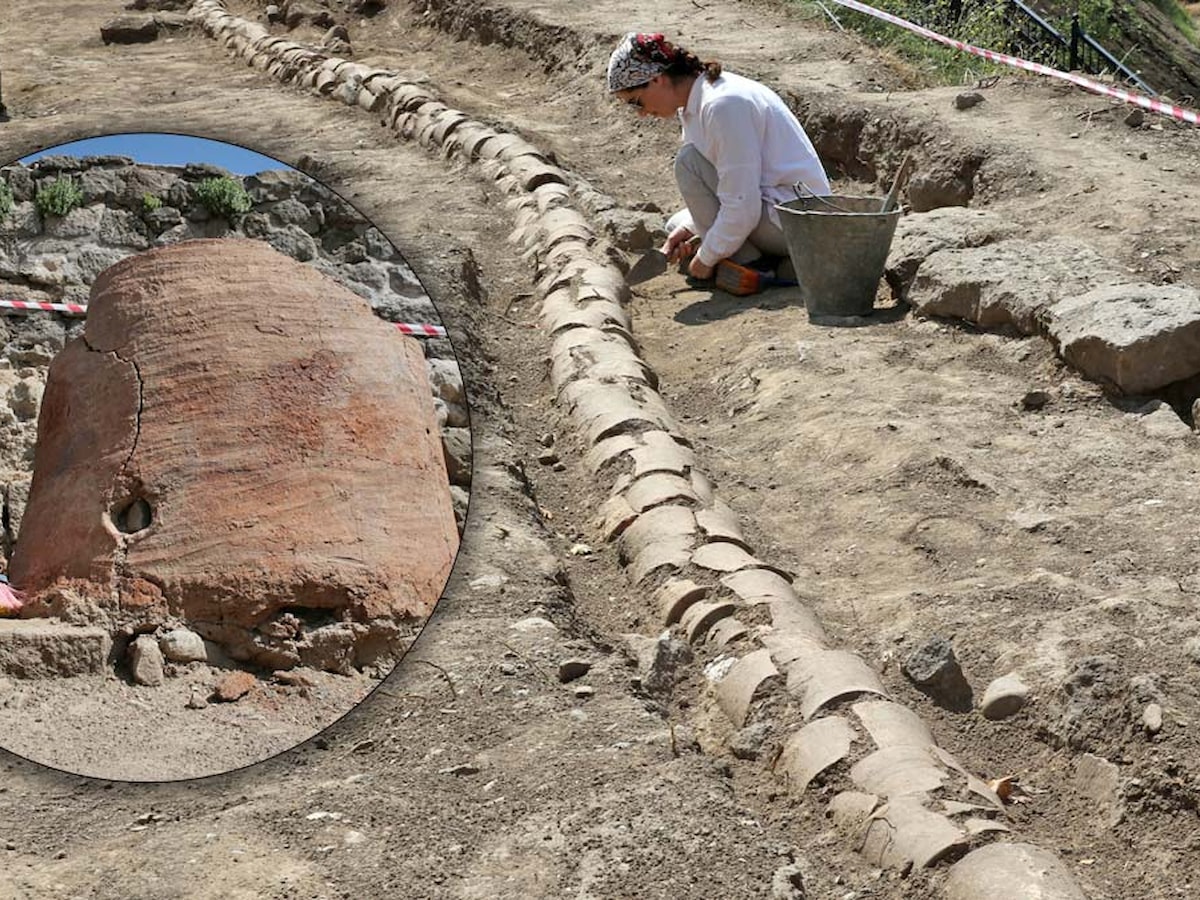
[741,281]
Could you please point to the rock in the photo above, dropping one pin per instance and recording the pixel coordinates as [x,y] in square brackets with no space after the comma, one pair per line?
[300,13]
[1192,648]
[934,669]
[547,458]
[658,660]
[456,447]
[787,883]
[366,7]
[460,771]
[378,246]
[291,211]
[584,692]
[233,686]
[136,29]
[967,99]
[183,646]
[293,241]
[196,700]
[79,222]
[41,648]
[343,415]
[748,742]
[570,669]
[1004,697]
[460,500]
[25,398]
[919,236]
[1034,401]
[1099,780]
[146,661]
[1152,718]
[546,439]
[1137,337]
[1135,119]
[533,624]
[446,380]
[120,228]
[1164,423]
[337,40]
[995,285]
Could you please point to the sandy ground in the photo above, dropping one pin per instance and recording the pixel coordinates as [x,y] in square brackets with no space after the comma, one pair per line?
[892,468]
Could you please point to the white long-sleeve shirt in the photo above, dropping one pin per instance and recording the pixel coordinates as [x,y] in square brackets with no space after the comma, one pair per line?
[759,150]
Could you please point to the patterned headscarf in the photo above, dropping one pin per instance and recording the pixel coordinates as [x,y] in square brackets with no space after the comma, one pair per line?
[637,59]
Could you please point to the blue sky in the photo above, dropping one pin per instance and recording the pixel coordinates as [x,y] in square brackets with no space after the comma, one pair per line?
[166,149]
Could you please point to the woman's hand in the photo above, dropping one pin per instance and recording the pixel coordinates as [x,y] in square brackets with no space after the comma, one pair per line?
[679,245]
[699,270]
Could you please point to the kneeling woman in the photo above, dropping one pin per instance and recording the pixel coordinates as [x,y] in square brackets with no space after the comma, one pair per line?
[743,151]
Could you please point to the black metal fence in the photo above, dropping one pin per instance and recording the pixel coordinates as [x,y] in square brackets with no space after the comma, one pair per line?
[1035,39]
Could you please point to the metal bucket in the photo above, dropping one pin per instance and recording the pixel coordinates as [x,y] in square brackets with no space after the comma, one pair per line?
[839,247]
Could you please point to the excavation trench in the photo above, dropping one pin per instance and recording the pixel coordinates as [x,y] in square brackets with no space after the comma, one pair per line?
[603,408]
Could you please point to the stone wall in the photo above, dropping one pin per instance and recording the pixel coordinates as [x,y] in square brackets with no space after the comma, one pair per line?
[127,208]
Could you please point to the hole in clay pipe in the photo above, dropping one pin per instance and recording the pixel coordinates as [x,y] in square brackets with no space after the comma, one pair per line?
[134,516]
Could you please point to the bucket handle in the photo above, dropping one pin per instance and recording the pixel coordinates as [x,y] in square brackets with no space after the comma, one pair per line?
[809,192]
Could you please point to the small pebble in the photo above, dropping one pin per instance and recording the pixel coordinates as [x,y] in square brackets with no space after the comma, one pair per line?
[1152,718]
[967,100]
[584,692]
[1035,400]
[1192,648]
[233,686]
[570,669]
[460,771]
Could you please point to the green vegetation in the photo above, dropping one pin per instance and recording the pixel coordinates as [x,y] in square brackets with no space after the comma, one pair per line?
[59,197]
[224,197]
[980,23]
[6,201]
[150,203]
[983,23]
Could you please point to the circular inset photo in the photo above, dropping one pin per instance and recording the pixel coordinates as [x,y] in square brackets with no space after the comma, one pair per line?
[234,457]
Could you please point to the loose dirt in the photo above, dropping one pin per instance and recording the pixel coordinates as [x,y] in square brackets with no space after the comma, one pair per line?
[895,469]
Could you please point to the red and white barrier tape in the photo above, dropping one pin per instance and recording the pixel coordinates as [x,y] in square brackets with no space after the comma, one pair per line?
[73,309]
[421,330]
[1158,106]
[77,309]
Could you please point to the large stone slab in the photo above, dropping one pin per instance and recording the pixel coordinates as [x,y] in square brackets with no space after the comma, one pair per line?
[1009,283]
[1137,337]
[39,648]
[920,235]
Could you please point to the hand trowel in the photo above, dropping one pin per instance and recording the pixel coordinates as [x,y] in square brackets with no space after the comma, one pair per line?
[652,264]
